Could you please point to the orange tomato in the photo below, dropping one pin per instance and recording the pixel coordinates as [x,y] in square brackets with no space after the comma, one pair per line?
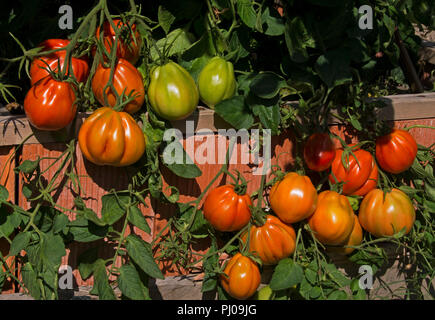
[226,210]
[242,277]
[358,179]
[294,198]
[50,104]
[333,220]
[396,151]
[125,77]
[354,239]
[271,242]
[113,138]
[385,217]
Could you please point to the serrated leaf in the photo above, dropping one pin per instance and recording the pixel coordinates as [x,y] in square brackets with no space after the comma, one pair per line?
[105,291]
[235,112]
[4,193]
[19,243]
[30,281]
[137,219]
[27,166]
[84,230]
[113,207]
[165,18]
[140,252]
[86,262]
[129,283]
[286,275]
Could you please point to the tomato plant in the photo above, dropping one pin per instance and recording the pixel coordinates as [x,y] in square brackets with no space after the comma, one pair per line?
[50,104]
[113,138]
[386,214]
[359,172]
[396,151]
[226,210]
[126,79]
[241,277]
[295,189]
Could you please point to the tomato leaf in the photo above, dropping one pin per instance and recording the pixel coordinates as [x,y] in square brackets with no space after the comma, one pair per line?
[141,253]
[114,207]
[86,262]
[178,161]
[235,112]
[19,243]
[266,85]
[4,193]
[105,291]
[130,283]
[28,166]
[286,275]
[137,219]
[165,18]
[30,280]
[84,230]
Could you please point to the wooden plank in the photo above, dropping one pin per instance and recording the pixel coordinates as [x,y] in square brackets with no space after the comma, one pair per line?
[13,129]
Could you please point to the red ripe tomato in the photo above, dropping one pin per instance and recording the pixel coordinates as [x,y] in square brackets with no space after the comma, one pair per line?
[80,67]
[319,152]
[273,241]
[396,151]
[358,179]
[242,277]
[50,104]
[294,198]
[333,220]
[125,77]
[127,48]
[386,215]
[226,210]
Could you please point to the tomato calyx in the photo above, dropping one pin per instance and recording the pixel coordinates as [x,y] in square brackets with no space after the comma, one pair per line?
[240,184]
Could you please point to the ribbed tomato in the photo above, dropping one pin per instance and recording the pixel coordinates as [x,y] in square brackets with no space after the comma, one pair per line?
[242,277]
[333,220]
[359,177]
[50,104]
[112,138]
[271,242]
[319,152]
[126,78]
[396,151]
[80,67]
[293,198]
[128,46]
[355,238]
[386,216]
[226,210]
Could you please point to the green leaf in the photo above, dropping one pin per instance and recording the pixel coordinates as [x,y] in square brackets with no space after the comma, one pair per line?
[235,112]
[9,221]
[105,291]
[30,281]
[286,275]
[275,24]
[269,116]
[335,274]
[334,68]
[182,165]
[114,207]
[60,222]
[52,250]
[165,18]
[86,262]
[19,243]
[137,219]
[337,295]
[311,276]
[176,43]
[200,226]
[297,40]
[130,284]
[141,253]
[84,230]
[266,85]
[4,193]
[27,166]
[246,11]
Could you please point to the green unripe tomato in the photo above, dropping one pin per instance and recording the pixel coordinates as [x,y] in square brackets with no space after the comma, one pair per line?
[264,293]
[216,82]
[172,92]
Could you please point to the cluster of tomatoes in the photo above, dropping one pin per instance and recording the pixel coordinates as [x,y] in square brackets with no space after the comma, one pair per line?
[111,136]
[328,214]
